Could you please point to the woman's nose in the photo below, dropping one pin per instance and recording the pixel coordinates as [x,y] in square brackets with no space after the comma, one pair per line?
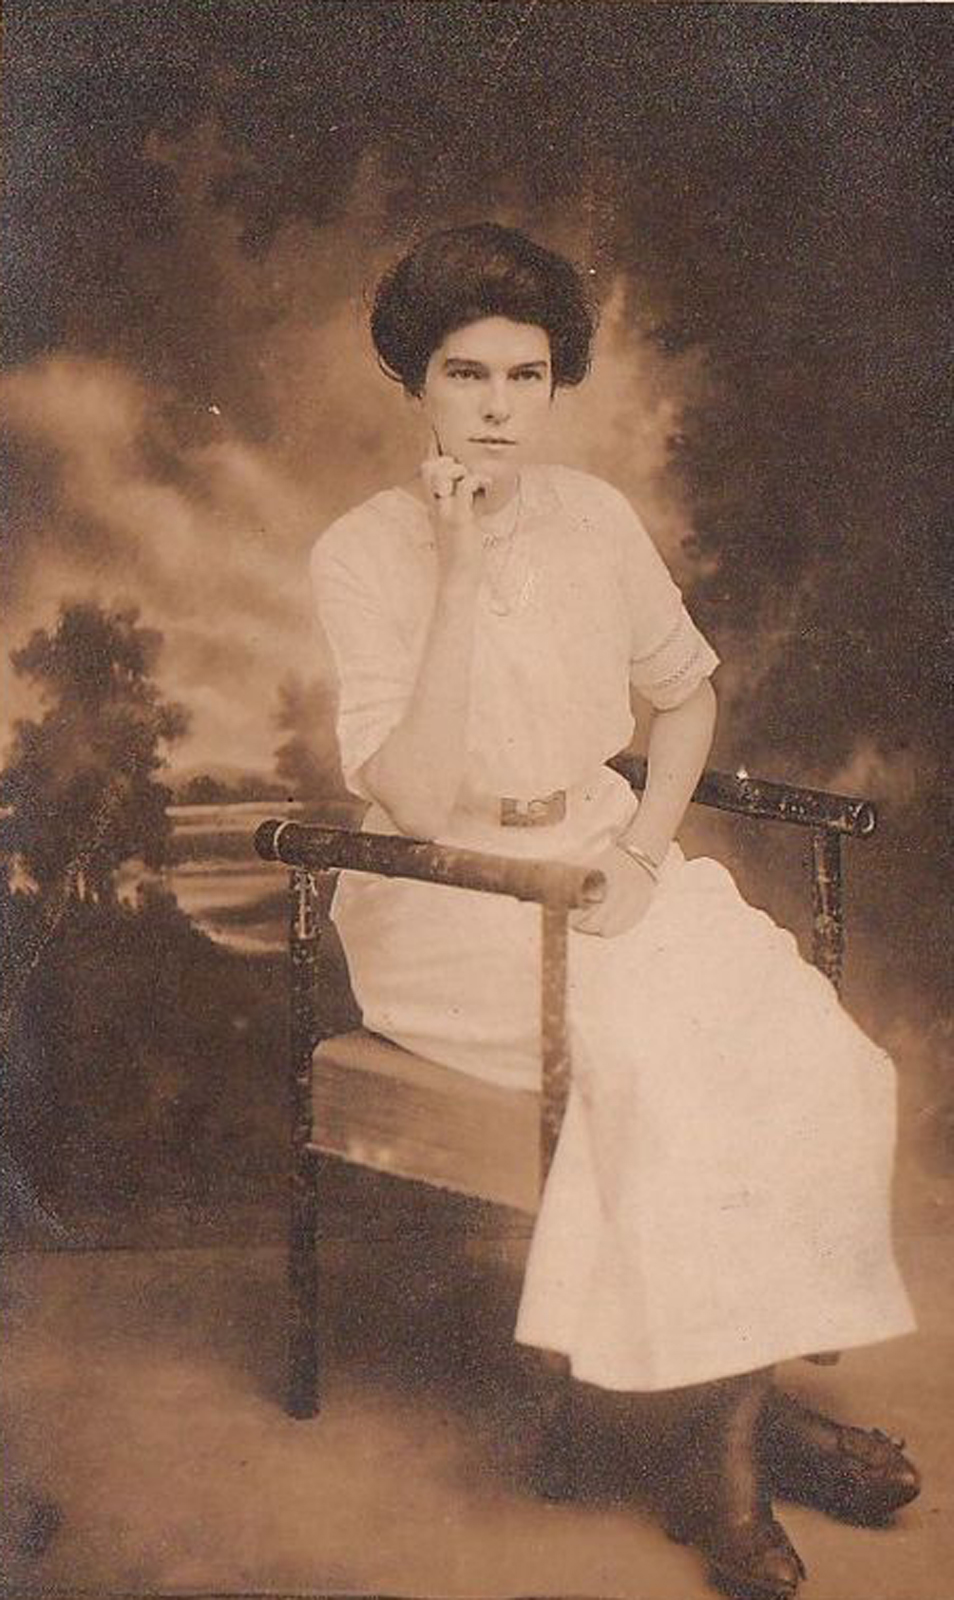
[496,403]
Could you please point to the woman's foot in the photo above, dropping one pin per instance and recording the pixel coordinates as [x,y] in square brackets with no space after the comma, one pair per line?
[855,1475]
[751,1559]
[718,1502]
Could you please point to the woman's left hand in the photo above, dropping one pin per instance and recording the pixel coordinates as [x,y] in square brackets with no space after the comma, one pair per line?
[629,891]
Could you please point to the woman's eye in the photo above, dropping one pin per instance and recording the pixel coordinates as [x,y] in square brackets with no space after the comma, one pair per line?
[532,373]
[462,372]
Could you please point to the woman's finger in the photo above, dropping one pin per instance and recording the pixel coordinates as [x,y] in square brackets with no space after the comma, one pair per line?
[471,485]
[440,474]
[587,921]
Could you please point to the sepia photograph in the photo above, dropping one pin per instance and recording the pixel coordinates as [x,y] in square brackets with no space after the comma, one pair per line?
[476,1021]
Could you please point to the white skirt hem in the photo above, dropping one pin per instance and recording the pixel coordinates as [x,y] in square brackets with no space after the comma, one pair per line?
[624,1379]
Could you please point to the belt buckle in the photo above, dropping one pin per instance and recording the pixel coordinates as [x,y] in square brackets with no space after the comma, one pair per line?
[541,813]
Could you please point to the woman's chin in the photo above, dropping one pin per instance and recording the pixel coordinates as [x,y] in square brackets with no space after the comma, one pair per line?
[498,469]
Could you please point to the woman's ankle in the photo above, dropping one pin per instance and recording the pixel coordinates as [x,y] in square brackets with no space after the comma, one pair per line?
[715,1469]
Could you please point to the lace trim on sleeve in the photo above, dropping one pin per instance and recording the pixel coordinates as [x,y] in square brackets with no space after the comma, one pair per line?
[672,671]
[658,649]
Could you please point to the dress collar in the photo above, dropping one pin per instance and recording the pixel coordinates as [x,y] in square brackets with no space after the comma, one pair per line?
[413,511]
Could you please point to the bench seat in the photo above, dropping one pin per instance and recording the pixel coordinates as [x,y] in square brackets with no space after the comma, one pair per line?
[381,1107]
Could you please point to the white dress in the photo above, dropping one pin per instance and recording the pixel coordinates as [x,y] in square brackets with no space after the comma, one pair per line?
[720,1195]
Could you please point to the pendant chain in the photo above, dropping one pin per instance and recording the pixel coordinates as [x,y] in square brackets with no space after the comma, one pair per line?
[500,554]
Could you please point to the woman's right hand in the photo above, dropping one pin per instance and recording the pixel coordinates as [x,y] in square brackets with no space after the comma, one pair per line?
[451,489]
[416,774]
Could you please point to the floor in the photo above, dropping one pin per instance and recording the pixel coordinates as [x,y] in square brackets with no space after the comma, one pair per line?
[147,1451]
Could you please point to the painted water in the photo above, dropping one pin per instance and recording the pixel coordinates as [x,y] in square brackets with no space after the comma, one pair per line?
[219,881]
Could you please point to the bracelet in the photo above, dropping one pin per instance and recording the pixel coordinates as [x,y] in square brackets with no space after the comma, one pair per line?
[642,858]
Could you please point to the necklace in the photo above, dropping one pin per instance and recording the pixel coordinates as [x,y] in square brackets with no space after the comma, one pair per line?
[506,598]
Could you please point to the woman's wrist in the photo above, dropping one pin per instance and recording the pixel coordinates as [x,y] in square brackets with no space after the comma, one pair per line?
[654,841]
[642,857]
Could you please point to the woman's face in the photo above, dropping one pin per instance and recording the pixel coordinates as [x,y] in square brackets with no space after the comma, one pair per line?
[487,393]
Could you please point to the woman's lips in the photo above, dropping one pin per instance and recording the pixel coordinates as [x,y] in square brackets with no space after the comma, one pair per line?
[495,444]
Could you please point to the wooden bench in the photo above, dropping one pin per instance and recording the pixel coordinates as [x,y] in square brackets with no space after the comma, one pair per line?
[381,1107]
[359,1098]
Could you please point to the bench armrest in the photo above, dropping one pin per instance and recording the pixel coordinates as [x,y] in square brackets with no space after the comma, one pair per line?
[314,848]
[770,802]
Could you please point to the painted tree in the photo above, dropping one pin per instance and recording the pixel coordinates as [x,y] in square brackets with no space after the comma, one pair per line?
[81,781]
[307,760]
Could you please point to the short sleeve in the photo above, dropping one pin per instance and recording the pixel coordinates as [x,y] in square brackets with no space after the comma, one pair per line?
[371,655]
[669,656]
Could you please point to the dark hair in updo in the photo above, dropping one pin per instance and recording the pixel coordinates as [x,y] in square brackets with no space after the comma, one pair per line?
[460,275]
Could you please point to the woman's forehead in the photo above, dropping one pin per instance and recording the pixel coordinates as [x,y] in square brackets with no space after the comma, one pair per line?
[496,340]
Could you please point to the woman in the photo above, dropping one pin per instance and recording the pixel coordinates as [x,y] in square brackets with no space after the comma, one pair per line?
[706,1215]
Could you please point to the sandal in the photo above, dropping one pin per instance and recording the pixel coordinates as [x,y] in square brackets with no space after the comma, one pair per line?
[857,1475]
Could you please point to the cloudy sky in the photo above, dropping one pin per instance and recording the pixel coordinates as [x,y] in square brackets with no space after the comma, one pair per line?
[201,195]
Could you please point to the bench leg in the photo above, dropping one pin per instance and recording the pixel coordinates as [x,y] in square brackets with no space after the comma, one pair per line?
[302,1399]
